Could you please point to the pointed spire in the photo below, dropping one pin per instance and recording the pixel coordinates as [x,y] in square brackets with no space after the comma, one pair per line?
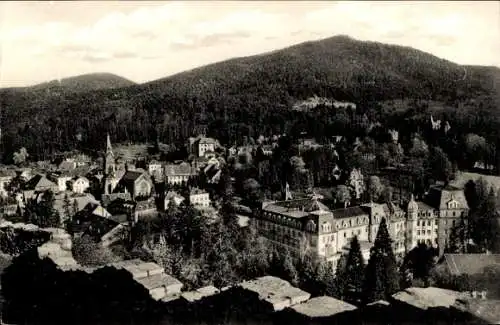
[412,198]
[108,144]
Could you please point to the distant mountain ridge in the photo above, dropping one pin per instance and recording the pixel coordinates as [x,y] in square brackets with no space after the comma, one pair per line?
[82,83]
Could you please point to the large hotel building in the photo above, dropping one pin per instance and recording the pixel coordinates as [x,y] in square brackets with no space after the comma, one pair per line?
[308,224]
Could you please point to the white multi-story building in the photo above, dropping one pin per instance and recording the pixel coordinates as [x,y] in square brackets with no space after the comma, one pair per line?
[307,225]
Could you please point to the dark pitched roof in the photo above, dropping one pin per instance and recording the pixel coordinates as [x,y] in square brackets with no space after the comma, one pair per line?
[470,263]
[38,181]
[348,212]
[131,176]
[180,169]
[439,196]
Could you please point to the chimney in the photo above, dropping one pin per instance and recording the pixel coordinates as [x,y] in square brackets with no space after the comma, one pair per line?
[474,294]
[483,294]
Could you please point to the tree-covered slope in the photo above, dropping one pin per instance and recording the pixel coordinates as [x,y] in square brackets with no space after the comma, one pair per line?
[242,96]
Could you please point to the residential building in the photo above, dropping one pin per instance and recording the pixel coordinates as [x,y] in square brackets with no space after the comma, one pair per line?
[6,176]
[431,221]
[469,264]
[61,179]
[155,170]
[80,184]
[178,174]
[199,198]
[40,183]
[201,145]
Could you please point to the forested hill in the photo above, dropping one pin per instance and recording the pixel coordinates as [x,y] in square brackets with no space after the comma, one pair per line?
[83,83]
[339,66]
[243,96]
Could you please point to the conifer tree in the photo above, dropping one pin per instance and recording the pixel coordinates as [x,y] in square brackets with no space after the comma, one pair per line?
[381,277]
[354,272]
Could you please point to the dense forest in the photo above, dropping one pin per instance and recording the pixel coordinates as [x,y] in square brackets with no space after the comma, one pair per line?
[396,86]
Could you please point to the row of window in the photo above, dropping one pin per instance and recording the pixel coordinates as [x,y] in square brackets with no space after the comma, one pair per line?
[423,232]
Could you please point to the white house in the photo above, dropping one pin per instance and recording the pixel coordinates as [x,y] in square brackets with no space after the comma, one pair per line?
[61,180]
[80,185]
[199,198]
[155,169]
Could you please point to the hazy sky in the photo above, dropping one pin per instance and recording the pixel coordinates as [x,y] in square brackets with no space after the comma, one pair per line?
[142,41]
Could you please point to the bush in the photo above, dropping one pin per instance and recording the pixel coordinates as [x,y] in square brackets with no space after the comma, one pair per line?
[88,253]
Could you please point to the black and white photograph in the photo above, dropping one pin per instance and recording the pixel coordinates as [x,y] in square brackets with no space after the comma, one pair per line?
[249,162]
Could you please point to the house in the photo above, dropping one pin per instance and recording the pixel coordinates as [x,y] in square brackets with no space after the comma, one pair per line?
[137,183]
[267,150]
[6,176]
[178,174]
[173,196]
[61,179]
[80,184]
[470,264]
[201,145]
[155,170]
[144,209]
[40,183]
[77,202]
[199,198]
[26,174]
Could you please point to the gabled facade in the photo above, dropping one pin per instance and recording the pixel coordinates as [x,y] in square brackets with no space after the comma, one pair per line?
[138,184]
[80,184]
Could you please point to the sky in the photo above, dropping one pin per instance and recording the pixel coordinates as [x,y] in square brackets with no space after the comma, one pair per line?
[143,41]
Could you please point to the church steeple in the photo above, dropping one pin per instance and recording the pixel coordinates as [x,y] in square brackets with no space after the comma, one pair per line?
[109,159]
[109,149]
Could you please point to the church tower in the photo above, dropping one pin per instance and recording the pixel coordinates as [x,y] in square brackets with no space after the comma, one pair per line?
[109,167]
[109,158]
[411,224]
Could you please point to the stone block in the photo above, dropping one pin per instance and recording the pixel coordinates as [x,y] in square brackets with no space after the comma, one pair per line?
[135,271]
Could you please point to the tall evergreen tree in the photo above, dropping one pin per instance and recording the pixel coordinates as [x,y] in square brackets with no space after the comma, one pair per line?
[381,277]
[484,222]
[354,272]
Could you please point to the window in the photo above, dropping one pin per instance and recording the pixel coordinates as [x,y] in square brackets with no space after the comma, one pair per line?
[418,232]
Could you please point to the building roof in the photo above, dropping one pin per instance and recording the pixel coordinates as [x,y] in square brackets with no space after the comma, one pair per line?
[119,218]
[275,291]
[296,208]
[207,141]
[7,173]
[470,263]
[101,212]
[439,196]
[180,169]
[173,194]
[484,309]
[131,176]
[67,165]
[323,306]
[348,212]
[431,297]
[196,191]
[39,181]
[422,206]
